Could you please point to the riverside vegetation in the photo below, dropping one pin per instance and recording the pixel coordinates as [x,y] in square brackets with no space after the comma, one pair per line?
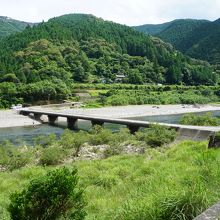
[124,94]
[165,181]
[44,62]
[200,120]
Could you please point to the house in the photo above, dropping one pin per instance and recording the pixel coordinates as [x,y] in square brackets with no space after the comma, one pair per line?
[119,77]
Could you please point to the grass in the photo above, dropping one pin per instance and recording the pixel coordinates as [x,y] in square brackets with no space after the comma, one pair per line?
[178,182]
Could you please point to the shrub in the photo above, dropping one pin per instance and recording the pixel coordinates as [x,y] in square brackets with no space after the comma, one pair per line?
[100,136]
[156,135]
[45,141]
[71,140]
[48,197]
[12,157]
[199,120]
[113,150]
[51,155]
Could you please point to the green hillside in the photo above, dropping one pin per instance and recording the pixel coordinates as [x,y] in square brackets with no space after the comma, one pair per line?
[10,26]
[153,29]
[173,30]
[180,30]
[196,38]
[204,43]
[83,48]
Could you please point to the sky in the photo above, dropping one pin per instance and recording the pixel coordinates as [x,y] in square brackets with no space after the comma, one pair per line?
[129,12]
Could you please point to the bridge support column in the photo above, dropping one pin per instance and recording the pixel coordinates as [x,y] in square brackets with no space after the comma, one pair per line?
[52,119]
[133,128]
[94,122]
[37,116]
[24,113]
[71,123]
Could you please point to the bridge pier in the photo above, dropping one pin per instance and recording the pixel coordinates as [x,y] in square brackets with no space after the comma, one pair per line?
[52,119]
[37,116]
[24,113]
[133,128]
[96,122]
[71,123]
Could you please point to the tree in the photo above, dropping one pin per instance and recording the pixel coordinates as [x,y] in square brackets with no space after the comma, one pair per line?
[135,77]
[49,197]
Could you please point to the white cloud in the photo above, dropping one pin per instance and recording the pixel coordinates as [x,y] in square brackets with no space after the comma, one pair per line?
[131,12]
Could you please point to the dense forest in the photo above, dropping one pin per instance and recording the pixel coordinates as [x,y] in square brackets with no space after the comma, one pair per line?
[195,38]
[43,61]
[10,26]
[183,25]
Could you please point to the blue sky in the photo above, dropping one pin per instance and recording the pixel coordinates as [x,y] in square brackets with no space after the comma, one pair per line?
[130,12]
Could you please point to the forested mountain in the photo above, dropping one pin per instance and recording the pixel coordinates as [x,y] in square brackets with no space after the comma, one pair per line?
[165,30]
[153,29]
[10,26]
[46,58]
[204,43]
[196,38]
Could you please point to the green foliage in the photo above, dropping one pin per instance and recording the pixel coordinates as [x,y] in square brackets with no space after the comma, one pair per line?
[14,158]
[157,136]
[45,141]
[196,38]
[183,206]
[125,95]
[10,26]
[51,155]
[51,196]
[43,61]
[178,182]
[200,120]
[72,140]
[100,136]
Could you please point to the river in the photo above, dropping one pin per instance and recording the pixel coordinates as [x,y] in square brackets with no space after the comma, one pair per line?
[19,135]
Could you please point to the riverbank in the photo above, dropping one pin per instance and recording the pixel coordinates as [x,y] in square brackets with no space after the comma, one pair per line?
[10,118]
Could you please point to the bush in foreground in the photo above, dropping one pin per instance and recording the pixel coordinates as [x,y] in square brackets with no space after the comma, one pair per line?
[200,120]
[157,135]
[51,196]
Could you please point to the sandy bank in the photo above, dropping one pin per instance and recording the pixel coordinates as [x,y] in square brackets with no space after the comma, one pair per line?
[10,118]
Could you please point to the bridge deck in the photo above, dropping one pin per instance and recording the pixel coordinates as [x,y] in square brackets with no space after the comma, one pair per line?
[127,122]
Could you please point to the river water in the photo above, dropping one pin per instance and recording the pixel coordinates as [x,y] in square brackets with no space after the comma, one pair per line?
[19,135]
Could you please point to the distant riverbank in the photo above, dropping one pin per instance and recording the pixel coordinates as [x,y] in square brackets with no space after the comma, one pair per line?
[10,118]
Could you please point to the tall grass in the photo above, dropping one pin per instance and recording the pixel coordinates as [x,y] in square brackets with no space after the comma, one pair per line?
[175,183]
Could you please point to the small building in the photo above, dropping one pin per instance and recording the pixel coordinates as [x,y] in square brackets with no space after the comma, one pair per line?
[120,77]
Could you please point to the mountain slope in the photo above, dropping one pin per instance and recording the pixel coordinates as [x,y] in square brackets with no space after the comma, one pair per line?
[10,26]
[165,30]
[180,30]
[153,29]
[86,48]
[204,43]
[196,38]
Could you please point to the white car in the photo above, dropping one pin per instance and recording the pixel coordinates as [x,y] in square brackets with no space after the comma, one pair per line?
[16,107]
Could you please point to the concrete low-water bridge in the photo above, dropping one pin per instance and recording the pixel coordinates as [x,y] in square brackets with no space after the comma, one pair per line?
[185,131]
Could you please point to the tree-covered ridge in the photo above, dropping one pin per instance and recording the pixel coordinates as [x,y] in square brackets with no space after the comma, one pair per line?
[153,29]
[43,61]
[179,30]
[204,43]
[165,29]
[195,38]
[10,26]
[119,49]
